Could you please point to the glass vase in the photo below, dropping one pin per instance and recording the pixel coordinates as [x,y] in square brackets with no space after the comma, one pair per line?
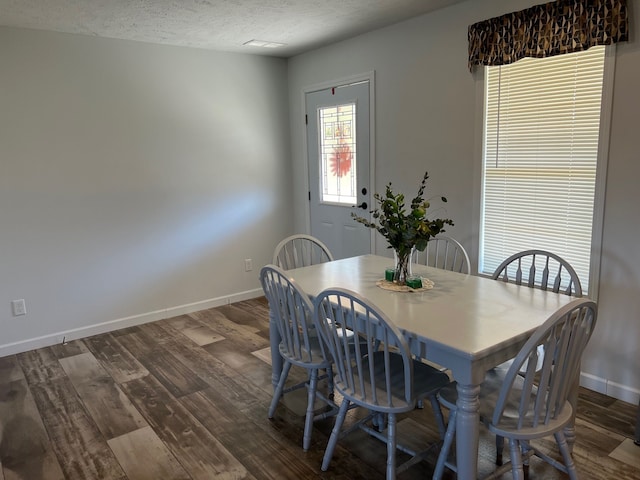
[403,266]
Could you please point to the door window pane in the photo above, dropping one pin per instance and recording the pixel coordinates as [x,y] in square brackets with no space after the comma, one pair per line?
[338,154]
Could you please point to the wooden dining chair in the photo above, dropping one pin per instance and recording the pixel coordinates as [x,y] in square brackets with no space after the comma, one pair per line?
[445,253]
[536,269]
[376,373]
[535,405]
[540,269]
[292,311]
[300,250]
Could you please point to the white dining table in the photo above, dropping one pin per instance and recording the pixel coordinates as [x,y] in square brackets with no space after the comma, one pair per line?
[466,323]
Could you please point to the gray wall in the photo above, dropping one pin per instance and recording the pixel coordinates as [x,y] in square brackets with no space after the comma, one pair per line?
[134,181]
[426,119]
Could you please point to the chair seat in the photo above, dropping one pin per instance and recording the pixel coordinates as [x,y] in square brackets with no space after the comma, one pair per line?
[489,391]
[505,366]
[427,380]
[309,358]
[509,426]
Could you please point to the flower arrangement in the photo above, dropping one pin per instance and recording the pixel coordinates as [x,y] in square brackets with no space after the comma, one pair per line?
[404,230]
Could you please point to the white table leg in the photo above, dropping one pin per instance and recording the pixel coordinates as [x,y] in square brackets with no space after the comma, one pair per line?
[276,359]
[467,431]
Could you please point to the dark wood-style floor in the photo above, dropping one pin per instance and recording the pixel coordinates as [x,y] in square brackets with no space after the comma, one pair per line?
[187,398]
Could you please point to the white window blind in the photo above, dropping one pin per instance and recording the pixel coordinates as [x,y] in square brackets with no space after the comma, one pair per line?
[542,123]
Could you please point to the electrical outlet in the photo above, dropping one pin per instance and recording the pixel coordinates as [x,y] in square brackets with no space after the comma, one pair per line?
[19,307]
[248,264]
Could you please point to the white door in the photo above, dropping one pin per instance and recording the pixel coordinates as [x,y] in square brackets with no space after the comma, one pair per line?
[339,169]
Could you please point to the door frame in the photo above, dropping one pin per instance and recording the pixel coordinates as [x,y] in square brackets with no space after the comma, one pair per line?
[366,76]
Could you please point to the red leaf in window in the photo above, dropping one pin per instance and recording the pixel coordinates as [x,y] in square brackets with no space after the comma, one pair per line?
[340,161]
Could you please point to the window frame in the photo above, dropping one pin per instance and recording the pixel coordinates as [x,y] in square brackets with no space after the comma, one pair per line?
[480,79]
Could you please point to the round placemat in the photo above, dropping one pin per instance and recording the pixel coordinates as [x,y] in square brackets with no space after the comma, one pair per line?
[394,287]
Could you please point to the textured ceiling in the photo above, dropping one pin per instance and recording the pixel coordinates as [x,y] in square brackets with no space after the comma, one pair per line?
[217,24]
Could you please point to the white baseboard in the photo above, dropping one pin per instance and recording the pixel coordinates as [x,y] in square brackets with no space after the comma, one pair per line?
[612,389]
[76,333]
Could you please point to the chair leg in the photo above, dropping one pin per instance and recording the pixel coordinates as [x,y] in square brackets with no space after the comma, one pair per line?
[437,412]
[420,402]
[330,382]
[516,459]
[379,421]
[391,446]
[566,455]
[311,400]
[335,434]
[524,451]
[446,446]
[279,388]
[499,449]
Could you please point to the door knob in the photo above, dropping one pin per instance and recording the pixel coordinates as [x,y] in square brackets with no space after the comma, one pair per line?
[363,205]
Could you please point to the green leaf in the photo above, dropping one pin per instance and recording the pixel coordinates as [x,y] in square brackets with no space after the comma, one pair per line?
[403,230]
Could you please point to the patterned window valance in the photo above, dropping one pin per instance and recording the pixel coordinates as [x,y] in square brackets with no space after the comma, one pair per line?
[554,28]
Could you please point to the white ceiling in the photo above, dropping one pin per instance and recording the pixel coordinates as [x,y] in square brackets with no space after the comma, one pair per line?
[217,24]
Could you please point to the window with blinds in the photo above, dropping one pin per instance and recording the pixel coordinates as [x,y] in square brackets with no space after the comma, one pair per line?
[542,124]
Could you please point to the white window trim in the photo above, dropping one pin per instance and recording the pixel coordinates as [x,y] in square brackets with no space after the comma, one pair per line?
[601,168]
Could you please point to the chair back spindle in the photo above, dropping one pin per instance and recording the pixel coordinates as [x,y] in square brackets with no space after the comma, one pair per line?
[445,253]
[542,394]
[300,250]
[377,367]
[293,315]
[540,266]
